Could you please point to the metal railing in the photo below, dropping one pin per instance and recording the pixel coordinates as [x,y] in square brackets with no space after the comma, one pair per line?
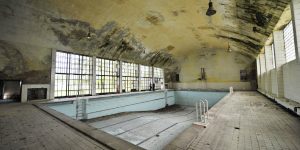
[202,111]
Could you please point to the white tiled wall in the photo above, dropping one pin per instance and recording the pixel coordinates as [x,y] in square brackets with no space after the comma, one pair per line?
[291,80]
[284,80]
[296,21]
[263,71]
[280,60]
[274,82]
[268,58]
[258,72]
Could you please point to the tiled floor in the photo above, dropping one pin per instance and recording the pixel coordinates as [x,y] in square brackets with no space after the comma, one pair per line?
[149,130]
[23,126]
[246,120]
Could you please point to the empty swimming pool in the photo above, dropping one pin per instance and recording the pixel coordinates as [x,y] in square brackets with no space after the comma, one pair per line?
[98,106]
[142,118]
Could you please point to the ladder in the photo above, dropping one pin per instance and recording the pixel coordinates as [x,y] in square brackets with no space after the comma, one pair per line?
[81,109]
[201,113]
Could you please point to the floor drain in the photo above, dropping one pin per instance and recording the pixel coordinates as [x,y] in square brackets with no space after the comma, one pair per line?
[157,135]
[236,128]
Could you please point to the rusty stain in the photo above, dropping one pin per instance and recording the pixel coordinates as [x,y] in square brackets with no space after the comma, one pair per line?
[6,11]
[155,18]
[175,13]
[183,11]
[170,47]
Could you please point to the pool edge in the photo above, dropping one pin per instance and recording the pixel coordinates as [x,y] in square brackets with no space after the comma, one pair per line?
[101,137]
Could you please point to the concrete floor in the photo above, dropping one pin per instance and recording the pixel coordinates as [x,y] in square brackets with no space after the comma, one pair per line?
[149,130]
[23,126]
[246,120]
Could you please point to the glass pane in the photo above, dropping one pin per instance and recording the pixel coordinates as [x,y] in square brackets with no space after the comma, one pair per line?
[289,42]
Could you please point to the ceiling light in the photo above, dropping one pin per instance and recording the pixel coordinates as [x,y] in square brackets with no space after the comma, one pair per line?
[229,49]
[210,11]
[89,34]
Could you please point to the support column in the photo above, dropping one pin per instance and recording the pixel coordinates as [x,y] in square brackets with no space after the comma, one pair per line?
[120,85]
[258,72]
[52,84]
[263,71]
[152,76]
[295,7]
[139,79]
[280,61]
[268,59]
[163,80]
[94,76]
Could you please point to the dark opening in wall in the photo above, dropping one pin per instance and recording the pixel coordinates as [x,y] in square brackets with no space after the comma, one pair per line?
[202,74]
[10,90]
[36,94]
[1,89]
[243,75]
[177,77]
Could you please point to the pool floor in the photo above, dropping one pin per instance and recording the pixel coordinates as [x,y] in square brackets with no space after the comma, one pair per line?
[150,130]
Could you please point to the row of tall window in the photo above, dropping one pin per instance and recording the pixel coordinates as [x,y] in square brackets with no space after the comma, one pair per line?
[146,78]
[273,55]
[74,74]
[289,46]
[130,77]
[289,42]
[107,76]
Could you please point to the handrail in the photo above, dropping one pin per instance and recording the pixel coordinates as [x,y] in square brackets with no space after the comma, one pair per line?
[202,112]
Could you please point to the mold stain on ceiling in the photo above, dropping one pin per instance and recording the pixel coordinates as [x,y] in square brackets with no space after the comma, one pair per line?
[181,27]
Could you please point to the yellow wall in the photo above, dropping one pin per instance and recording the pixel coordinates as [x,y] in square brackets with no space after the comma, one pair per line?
[220,66]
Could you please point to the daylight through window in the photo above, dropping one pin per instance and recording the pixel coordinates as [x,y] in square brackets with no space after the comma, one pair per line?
[146,77]
[106,76]
[158,76]
[73,75]
[289,43]
[129,77]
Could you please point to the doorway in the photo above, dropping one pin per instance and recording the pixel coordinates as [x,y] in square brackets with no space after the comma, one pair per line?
[10,90]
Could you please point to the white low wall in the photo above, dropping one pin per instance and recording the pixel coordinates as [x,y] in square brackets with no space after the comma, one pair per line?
[291,80]
[223,86]
[274,90]
[290,98]
[262,82]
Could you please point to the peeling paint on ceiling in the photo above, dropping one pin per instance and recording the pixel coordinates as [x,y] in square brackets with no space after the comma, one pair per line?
[183,24]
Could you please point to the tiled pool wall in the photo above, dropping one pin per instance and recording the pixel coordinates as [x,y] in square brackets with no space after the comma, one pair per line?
[103,106]
[148,101]
[189,98]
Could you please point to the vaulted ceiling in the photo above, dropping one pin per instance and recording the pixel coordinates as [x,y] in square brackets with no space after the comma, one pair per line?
[181,26]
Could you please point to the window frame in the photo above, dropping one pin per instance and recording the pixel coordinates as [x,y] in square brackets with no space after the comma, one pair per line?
[289,39]
[76,73]
[112,75]
[273,55]
[146,77]
[158,75]
[83,75]
[130,77]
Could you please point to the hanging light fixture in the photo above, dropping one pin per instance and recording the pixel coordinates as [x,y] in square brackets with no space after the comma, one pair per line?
[89,34]
[229,49]
[210,11]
